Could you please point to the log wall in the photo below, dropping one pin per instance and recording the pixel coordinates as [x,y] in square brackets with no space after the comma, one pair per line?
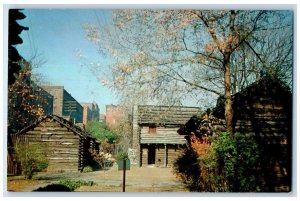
[165,155]
[268,118]
[66,150]
[62,146]
[166,121]
[262,110]
[162,136]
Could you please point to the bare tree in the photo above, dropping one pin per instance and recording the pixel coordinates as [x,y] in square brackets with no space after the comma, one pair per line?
[174,55]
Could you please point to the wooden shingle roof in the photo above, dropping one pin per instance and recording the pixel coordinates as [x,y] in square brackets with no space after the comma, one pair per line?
[165,115]
[63,122]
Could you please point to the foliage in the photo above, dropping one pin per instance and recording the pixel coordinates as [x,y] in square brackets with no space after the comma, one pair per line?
[101,132]
[74,184]
[187,168]
[231,162]
[124,129]
[122,156]
[102,158]
[33,158]
[87,169]
[15,29]
[25,100]
[228,166]
[155,51]
[53,188]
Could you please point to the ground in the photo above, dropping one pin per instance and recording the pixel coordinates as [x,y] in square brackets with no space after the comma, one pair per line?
[144,179]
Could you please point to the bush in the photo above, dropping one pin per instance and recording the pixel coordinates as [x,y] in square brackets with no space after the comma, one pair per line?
[237,157]
[122,156]
[54,188]
[228,166]
[33,158]
[74,184]
[187,168]
[87,169]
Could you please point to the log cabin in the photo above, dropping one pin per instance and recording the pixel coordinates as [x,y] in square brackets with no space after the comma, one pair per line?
[263,110]
[67,144]
[155,137]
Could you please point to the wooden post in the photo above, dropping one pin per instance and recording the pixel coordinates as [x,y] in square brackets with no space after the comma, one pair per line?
[165,162]
[124,174]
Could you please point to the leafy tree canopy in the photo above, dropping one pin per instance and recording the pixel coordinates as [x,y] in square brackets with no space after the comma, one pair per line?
[101,132]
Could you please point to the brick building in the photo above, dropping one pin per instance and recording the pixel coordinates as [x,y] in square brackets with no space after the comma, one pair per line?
[114,115]
[64,105]
[90,112]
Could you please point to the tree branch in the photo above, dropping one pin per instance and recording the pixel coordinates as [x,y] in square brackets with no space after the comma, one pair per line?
[211,31]
[182,79]
[256,54]
[199,53]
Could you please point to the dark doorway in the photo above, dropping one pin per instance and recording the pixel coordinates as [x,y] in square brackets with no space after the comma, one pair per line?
[151,154]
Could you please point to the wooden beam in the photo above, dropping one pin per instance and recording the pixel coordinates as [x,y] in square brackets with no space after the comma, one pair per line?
[165,162]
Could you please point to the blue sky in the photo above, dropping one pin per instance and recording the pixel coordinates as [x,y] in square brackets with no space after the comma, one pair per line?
[57,36]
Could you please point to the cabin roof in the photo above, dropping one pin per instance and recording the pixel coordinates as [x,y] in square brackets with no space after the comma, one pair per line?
[76,129]
[265,87]
[165,115]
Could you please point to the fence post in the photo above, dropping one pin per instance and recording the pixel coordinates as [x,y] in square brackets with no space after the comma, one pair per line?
[124,173]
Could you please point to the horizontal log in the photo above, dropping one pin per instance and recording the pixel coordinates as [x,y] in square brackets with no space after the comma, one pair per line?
[162,142]
[64,153]
[52,133]
[50,129]
[51,141]
[63,159]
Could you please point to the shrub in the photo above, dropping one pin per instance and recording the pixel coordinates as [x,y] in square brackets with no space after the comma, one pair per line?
[74,184]
[122,156]
[54,188]
[87,169]
[33,158]
[187,168]
[228,166]
[237,158]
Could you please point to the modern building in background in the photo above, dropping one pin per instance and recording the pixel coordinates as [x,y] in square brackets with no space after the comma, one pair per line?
[64,105]
[90,112]
[45,99]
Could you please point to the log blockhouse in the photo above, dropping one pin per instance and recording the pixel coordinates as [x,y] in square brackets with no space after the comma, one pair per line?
[263,110]
[155,137]
[67,144]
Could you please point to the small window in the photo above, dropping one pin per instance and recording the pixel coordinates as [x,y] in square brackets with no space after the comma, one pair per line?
[152,129]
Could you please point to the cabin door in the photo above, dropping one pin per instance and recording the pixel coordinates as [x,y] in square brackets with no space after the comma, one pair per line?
[151,154]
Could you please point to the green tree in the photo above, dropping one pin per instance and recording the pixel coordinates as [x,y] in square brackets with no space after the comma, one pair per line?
[101,132]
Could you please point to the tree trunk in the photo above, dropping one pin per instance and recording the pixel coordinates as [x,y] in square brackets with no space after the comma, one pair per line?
[227,82]
[228,99]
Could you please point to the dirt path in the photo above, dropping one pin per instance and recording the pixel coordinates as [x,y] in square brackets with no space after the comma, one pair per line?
[145,179]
